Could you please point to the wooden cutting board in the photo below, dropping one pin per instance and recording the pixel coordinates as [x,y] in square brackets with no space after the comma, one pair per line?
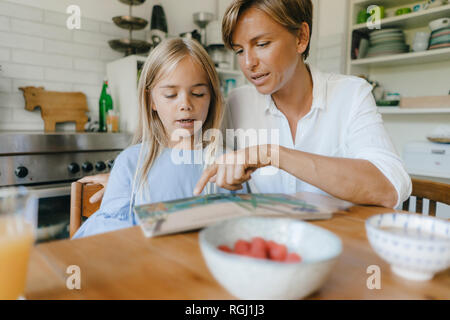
[57,107]
[426,102]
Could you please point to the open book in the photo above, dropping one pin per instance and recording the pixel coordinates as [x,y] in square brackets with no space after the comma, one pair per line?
[197,212]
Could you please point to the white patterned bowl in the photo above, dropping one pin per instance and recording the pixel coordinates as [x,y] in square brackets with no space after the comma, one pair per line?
[439,23]
[250,278]
[416,246]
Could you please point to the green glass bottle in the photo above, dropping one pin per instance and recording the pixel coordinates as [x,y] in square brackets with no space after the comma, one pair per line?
[103,108]
[109,101]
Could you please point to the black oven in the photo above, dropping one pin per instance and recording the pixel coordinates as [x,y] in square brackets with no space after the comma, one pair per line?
[47,164]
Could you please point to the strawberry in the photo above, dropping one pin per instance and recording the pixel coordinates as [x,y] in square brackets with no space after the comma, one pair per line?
[242,247]
[277,252]
[225,248]
[293,257]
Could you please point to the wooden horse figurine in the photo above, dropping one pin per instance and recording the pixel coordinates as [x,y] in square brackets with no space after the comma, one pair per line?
[57,106]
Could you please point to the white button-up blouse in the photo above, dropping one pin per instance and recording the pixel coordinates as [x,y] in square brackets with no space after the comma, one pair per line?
[343,122]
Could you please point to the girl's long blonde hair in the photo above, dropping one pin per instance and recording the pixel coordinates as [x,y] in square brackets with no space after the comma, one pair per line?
[150,131]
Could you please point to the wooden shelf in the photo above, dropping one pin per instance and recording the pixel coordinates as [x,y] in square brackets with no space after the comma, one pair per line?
[422,173]
[411,20]
[383,2]
[398,110]
[434,55]
[228,72]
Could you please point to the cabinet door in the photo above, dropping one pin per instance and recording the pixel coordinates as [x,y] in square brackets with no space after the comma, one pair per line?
[312,59]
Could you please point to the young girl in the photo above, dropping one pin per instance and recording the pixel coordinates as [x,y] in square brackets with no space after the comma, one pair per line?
[179,99]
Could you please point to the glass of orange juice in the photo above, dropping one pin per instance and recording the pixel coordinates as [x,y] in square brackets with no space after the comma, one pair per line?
[112,121]
[17,233]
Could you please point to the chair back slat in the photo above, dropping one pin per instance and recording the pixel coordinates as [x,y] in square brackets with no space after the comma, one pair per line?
[88,191]
[432,208]
[406,205]
[433,191]
[80,205]
[419,204]
[436,191]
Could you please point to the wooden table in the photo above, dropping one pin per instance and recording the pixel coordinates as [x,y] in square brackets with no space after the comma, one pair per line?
[126,265]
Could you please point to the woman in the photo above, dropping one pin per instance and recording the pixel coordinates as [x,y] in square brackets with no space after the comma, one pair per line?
[330,137]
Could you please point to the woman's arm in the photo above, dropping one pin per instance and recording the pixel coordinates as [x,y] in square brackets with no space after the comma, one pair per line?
[355,180]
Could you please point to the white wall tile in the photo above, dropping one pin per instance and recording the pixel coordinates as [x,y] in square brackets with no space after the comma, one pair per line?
[90,25]
[41,59]
[37,49]
[5,115]
[115,32]
[48,85]
[92,38]
[19,71]
[330,52]
[60,19]
[110,54]
[4,54]
[11,100]
[89,65]
[72,76]
[92,92]
[330,41]
[41,30]
[4,23]
[93,109]
[13,40]
[140,34]
[22,115]
[71,49]
[21,12]
[55,18]
[329,65]
[22,126]
[5,85]
[112,30]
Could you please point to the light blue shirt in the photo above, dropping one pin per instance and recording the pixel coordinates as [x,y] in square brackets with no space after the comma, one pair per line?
[168,179]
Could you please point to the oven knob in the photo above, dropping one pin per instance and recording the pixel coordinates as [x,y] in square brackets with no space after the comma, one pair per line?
[110,164]
[100,166]
[21,172]
[73,168]
[87,166]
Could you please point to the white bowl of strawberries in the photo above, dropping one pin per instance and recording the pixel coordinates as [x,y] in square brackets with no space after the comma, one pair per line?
[269,258]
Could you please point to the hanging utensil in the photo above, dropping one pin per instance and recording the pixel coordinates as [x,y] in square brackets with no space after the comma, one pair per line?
[130,46]
[130,23]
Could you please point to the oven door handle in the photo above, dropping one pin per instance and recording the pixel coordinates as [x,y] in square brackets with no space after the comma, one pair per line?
[40,192]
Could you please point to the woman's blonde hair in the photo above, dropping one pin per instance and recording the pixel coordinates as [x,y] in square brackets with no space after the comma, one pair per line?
[289,13]
[161,61]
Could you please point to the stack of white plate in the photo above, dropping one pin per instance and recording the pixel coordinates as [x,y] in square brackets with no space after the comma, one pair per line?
[440,38]
[386,42]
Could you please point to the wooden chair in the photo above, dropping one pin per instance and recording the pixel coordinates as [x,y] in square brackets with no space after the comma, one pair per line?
[425,189]
[80,205]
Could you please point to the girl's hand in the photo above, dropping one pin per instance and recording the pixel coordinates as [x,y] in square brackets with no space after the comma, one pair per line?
[97,179]
[233,169]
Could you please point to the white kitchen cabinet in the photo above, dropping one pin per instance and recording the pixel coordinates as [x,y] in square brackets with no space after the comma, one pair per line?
[411,74]
[122,77]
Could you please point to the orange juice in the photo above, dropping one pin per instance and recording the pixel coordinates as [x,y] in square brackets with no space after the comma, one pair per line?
[16,240]
[112,121]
